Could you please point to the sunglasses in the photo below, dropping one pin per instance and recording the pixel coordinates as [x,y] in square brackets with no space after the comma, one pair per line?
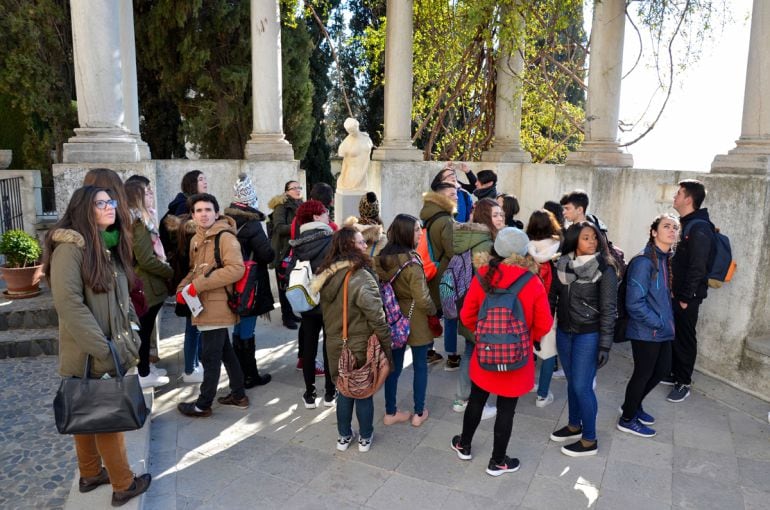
[102,204]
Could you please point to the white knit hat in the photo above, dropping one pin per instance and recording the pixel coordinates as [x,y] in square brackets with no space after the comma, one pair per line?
[245,192]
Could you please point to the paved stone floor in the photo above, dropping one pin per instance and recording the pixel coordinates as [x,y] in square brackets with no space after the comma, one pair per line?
[712,451]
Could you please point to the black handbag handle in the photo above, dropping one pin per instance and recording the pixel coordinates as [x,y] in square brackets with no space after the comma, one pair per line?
[115,358]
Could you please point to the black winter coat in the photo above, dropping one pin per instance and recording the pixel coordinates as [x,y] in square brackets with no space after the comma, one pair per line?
[587,308]
[255,246]
[689,265]
[313,243]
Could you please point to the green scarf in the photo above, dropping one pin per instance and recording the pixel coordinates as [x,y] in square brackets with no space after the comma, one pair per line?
[111,238]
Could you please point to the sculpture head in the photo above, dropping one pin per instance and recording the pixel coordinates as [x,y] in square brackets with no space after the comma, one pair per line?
[351,125]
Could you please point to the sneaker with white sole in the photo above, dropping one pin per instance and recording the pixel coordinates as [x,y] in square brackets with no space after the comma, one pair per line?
[365,444]
[635,427]
[157,370]
[196,377]
[678,393]
[488,412]
[309,399]
[152,380]
[463,452]
[509,465]
[544,401]
[329,400]
[566,434]
[459,405]
[343,442]
[643,417]
[559,374]
[578,449]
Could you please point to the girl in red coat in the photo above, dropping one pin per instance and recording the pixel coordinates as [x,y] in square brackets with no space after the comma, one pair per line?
[507,263]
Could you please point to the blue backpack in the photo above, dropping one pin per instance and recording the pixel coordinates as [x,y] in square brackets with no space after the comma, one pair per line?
[721,266]
[502,335]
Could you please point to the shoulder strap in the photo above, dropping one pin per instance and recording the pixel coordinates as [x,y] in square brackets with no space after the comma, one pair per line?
[690,224]
[374,247]
[403,266]
[520,282]
[345,307]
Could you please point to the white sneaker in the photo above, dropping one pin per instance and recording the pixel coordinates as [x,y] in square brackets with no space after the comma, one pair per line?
[488,412]
[153,380]
[559,374]
[534,388]
[157,370]
[542,402]
[459,406]
[365,444]
[195,378]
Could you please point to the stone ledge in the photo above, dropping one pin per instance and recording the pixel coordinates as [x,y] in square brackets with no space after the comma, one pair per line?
[22,343]
[759,345]
[138,450]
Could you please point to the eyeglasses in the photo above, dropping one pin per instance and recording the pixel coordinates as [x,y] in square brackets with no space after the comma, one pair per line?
[295,188]
[102,204]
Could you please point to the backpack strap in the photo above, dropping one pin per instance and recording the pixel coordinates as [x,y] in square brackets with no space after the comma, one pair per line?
[403,266]
[345,308]
[428,224]
[374,247]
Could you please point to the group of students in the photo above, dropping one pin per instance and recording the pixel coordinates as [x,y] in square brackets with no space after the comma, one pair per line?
[106,258]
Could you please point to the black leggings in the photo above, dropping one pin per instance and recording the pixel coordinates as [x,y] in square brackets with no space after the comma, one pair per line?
[652,362]
[310,330]
[146,324]
[506,408]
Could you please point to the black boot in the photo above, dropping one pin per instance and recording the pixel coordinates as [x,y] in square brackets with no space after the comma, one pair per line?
[251,363]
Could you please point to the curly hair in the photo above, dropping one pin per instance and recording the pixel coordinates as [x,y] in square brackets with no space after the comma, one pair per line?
[343,248]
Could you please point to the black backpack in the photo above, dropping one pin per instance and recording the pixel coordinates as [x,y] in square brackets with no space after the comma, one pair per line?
[242,299]
[616,253]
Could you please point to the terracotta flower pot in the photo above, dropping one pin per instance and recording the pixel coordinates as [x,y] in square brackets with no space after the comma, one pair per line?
[22,282]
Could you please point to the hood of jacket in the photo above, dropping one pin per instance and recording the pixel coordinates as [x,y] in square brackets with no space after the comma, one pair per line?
[66,235]
[468,236]
[490,192]
[387,265]
[172,223]
[482,259]
[434,203]
[242,214]
[370,233]
[178,200]
[223,224]
[315,225]
[544,250]
[283,199]
[337,269]
[312,244]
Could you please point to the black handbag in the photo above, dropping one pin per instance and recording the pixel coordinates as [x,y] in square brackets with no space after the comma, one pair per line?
[97,406]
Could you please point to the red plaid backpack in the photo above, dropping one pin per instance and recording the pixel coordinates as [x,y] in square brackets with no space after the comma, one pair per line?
[502,335]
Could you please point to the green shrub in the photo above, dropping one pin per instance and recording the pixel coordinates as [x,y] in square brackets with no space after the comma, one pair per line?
[20,249]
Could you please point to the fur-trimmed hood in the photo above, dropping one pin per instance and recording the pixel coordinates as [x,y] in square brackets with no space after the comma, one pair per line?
[544,249]
[244,213]
[319,280]
[277,200]
[482,259]
[172,223]
[370,233]
[471,236]
[67,235]
[439,202]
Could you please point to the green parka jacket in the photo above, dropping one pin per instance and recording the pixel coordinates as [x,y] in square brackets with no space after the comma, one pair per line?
[365,313]
[86,319]
[153,272]
[441,208]
[410,287]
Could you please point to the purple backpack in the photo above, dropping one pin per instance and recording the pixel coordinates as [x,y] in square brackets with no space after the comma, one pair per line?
[399,325]
[455,283]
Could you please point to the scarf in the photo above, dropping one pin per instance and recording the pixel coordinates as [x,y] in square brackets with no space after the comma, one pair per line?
[111,238]
[581,269]
[490,192]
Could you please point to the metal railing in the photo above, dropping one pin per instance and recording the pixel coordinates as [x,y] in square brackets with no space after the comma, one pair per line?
[11,210]
[45,203]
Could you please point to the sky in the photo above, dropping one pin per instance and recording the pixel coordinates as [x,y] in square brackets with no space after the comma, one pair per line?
[703,116]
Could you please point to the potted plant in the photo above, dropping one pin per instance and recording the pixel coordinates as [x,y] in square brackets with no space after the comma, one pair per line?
[22,270]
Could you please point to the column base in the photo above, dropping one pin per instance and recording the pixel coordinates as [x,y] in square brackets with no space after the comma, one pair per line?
[750,156]
[103,145]
[506,153]
[600,154]
[397,150]
[268,147]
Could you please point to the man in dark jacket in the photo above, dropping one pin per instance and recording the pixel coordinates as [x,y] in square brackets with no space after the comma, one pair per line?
[689,268]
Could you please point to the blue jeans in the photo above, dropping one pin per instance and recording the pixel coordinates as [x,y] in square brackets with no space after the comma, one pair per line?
[192,346]
[420,380]
[546,373]
[464,377]
[245,328]
[577,353]
[450,336]
[364,413]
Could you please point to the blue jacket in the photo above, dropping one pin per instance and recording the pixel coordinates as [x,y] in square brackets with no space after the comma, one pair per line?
[464,206]
[648,298]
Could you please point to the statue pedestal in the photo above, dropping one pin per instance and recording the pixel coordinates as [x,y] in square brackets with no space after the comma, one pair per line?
[346,205]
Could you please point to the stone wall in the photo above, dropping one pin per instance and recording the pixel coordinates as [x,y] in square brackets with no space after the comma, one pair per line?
[627,200]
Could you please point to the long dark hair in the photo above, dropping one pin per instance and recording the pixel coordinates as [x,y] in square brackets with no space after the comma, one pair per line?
[109,179]
[80,216]
[482,213]
[510,209]
[543,225]
[343,248]
[573,234]
[190,182]
[400,237]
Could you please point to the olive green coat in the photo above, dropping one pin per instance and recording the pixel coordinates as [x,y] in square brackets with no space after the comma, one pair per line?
[365,313]
[153,272]
[86,319]
[410,287]
[439,234]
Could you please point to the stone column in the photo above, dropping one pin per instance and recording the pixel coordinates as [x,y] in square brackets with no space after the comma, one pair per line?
[96,39]
[600,147]
[751,154]
[128,60]
[397,135]
[510,64]
[267,142]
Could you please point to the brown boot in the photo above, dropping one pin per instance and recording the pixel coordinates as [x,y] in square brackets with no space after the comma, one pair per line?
[140,486]
[232,400]
[89,483]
